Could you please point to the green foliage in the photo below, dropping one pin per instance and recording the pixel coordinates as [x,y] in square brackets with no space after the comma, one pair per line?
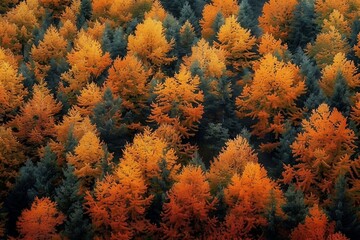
[294,208]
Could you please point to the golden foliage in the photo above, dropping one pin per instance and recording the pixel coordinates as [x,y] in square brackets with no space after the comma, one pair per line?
[337,20]
[89,97]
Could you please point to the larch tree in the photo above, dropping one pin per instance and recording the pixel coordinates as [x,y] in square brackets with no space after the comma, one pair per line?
[237,42]
[277,16]
[40,221]
[149,43]
[231,160]
[8,36]
[269,45]
[89,97]
[271,96]
[186,215]
[179,102]
[156,12]
[323,150]
[337,20]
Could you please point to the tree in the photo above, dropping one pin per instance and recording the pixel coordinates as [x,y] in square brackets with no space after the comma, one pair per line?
[323,151]
[149,43]
[294,208]
[89,97]
[326,46]
[210,12]
[117,206]
[337,20]
[186,39]
[84,14]
[187,14]
[7,4]
[36,120]
[231,160]
[324,8]
[247,19]
[340,66]
[269,45]
[55,6]
[237,43]
[248,197]
[276,18]
[40,221]
[8,36]
[271,95]
[157,12]
[179,102]
[316,226]
[187,212]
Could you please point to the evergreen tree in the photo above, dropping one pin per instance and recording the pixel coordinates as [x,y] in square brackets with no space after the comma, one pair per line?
[186,40]
[215,137]
[218,22]
[77,226]
[272,231]
[341,96]
[187,14]
[107,39]
[85,13]
[294,208]
[247,18]
[119,44]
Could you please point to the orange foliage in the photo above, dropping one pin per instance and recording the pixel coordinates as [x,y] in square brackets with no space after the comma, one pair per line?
[179,102]
[148,150]
[357,46]
[323,8]
[35,123]
[237,43]
[326,46]
[8,36]
[316,226]
[323,151]
[149,43]
[249,196]
[12,91]
[268,44]
[157,12]
[117,207]
[271,95]
[277,16]
[39,222]
[210,59]
[355,110]
[89,97]
[56,6]
[210,11]
[341,66]
[128,78]
[186,214]
[70,13]
[337,20]
[87,62]
[231,160]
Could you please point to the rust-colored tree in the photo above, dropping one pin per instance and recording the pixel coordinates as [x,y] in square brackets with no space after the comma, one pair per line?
[8,36]
[248,197]
[271,96]
[316,226]
[179,102]
[40,221]
[186,215]
[231,160]
[277,16]
[323,150]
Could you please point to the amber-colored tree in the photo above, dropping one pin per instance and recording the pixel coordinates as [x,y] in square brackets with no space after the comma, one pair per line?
[36,120]
[128,78]
[149,43]
[11,159]
[5,5]
[357,46]
[316,226]
[89,96]
[148,150]
[324,8]
[157,12]
[179,102]
[52,47]
[186,215]
[277,16]
[211,10]
[237,42]
[12,90]
[323,151]
[39,222]
[271,95]
[337,20]
[326,46]
[268,44]
[118,205]
[211,60]
[248,197]
[355,110]
[8,36]
[87,62]
[342,66]
[55,6]
[231,160]
[88,158]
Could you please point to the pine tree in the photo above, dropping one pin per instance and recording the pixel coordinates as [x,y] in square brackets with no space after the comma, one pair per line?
[247,19]
[85,13]
[119,44]
[187,14]
[341,97]
[294,208]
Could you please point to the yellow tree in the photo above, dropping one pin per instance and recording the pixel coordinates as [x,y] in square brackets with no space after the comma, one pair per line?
[270,97]
[8,36]
[87,62]
[237,43]
[340,65]
[210,12]
[40,221]
[89,97]
[337,20]
[323,150]
[179,102]
[52,47]
[248,197]
[268,44]
[231,160]
[149,43]
[156,12]
[12,90]
[36,120]
[118,205]
[326,46]
[128,79]
[186,215]
[277,16]
[323,8]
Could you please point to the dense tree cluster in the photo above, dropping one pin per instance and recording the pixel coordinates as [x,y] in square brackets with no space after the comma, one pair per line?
[174,119]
